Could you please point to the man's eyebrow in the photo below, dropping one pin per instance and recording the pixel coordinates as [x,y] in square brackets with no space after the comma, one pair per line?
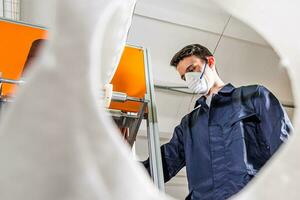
[191,65]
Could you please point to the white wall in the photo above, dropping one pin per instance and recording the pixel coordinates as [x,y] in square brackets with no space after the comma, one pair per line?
[10,9]
[37,12]
[1,8]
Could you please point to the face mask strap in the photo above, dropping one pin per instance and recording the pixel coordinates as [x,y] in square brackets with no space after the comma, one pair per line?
[203,70]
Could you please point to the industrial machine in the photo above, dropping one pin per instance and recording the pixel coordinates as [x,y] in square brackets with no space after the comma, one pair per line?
[132,96]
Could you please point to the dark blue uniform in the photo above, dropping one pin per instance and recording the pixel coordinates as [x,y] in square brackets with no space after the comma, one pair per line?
[223,146]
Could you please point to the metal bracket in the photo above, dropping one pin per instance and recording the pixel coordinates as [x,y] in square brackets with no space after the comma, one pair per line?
[136,124]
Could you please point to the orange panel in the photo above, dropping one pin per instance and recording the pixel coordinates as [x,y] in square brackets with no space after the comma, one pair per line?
[130,78]
[16,40]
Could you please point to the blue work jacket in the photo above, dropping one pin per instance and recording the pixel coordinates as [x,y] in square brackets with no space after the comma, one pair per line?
[223,146]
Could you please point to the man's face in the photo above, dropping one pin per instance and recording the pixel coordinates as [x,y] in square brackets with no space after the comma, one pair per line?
[190,64]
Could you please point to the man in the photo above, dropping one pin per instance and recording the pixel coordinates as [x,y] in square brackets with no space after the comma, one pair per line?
[228,137]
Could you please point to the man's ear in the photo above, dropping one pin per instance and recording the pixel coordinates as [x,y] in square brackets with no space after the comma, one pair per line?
[211,61]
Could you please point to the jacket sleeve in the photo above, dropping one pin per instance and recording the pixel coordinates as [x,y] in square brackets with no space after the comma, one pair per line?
[172,153]
[275,126]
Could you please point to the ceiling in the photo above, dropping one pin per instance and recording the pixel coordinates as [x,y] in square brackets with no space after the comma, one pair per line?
[199,14]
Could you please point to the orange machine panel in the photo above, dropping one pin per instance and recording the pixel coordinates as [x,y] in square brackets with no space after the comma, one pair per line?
[16,40]
[130,78]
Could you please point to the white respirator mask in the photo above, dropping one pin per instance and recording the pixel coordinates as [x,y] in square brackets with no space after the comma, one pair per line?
[197,82]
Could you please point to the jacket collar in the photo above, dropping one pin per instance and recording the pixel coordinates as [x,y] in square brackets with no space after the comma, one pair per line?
[227,89]
[200,101]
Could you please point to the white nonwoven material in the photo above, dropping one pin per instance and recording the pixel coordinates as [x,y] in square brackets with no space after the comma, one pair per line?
[277,21]
[56,140]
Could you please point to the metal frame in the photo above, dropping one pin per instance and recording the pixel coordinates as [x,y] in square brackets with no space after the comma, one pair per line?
[183,89]
[152,127]
[148,102]
[4,100]
[136,124]
[11,81]
[22,23]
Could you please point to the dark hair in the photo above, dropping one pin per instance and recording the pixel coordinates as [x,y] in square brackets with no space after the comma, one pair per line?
[190,50]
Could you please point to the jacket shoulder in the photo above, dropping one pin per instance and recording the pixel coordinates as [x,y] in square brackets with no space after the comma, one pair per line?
[249,89]
[253,90]
[244,95]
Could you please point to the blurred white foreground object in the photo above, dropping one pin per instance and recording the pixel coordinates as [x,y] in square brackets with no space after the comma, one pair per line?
[277,22]
[56,141]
